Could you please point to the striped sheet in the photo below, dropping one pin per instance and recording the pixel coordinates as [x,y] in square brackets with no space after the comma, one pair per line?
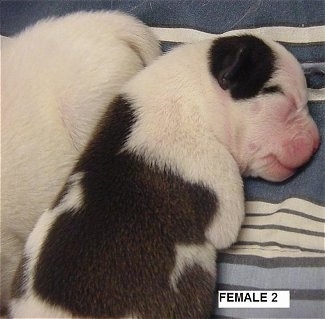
[293,228]
[295,204]
[272,252]
[280,277]
[316,95]
[302,309]
[281,246]
[308,35]
[262,258]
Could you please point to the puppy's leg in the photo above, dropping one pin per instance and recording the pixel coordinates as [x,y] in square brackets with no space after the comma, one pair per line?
[224,228]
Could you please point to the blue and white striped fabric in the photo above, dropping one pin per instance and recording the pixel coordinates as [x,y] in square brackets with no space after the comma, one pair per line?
[281,245]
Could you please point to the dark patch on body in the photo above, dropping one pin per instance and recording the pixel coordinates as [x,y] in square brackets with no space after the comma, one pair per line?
[241,64]
[114,256]
[18,287]
[4,311]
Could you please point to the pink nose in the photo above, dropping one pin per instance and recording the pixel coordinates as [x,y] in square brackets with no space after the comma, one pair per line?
[300,150]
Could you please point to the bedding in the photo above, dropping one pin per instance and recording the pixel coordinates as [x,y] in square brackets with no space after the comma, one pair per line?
[281,244]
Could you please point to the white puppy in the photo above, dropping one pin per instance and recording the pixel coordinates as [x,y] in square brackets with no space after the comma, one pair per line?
[158,190]
[58,78]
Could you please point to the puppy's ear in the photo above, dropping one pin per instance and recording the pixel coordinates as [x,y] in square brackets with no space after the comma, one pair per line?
[241,64]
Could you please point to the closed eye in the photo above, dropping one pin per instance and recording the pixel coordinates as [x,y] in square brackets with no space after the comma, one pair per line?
[271,89]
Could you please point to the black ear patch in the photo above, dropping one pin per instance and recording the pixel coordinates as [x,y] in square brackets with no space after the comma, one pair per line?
[241,64]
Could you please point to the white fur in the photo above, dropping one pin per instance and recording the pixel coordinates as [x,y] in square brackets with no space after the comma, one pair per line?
[32,307]
[189,255]
[57,79]
[73,199]
[174,129]
[33,246]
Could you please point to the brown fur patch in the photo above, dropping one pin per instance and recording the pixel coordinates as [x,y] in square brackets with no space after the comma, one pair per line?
[114,257]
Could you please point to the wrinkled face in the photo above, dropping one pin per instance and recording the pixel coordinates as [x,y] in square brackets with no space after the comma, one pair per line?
[279,135]
[274,131]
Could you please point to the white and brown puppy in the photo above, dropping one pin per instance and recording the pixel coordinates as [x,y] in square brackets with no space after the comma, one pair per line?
[158,191]
[58,78]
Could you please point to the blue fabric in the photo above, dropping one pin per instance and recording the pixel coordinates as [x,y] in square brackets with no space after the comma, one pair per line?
[215,16]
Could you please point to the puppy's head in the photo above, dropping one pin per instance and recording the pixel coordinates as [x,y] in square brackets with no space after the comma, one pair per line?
[266,93]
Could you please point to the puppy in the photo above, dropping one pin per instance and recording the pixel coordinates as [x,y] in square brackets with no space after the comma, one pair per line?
[158,191]
[58,78]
